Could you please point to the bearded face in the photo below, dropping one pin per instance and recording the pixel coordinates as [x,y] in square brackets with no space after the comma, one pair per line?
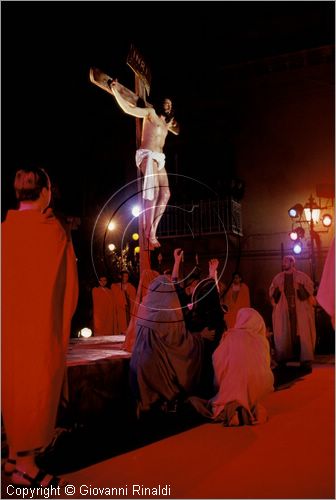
[167,106]
[165,109]
[287,264]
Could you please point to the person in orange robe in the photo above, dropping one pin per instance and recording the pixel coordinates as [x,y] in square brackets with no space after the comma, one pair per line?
[130,294]
[237,297]
[39,296]
[102,299]
[119,323]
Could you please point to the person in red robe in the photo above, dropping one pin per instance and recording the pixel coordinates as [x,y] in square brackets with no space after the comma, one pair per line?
[130,294]
[119,319]
[102,300]
[39,296]
[236,297]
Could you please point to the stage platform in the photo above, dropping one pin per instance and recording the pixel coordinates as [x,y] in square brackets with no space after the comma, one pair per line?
[97,378]
[84,351]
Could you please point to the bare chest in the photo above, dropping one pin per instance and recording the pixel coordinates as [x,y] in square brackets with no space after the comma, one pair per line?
[154,133]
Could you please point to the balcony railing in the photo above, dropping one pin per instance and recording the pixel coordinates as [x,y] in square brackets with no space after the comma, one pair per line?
[203,217]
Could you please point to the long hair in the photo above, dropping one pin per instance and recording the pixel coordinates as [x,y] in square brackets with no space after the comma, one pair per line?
[159,110]
[29,183]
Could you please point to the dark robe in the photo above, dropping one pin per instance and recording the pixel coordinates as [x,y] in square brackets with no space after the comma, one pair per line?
[204,311]
[166,359]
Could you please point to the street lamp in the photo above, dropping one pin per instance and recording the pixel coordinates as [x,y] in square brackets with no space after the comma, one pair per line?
[295,211]
[311,211]
[297,248]
[327,220]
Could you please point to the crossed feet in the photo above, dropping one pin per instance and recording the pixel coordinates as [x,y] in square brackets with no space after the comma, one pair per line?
[152,243]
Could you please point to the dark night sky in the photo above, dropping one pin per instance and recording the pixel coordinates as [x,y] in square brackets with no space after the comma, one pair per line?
[53,115]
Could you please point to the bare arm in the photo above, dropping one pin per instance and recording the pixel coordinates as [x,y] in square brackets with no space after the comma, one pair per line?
[213,265]
[178,256]
[126,106]
[174,127]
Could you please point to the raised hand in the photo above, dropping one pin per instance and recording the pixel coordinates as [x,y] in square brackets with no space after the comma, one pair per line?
[213,265]
[178,255]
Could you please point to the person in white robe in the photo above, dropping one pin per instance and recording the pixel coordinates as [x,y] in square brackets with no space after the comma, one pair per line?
[243,375]
[291,293]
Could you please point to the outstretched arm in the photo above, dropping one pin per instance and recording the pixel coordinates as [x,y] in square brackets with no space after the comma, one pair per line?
[174,127]
[126,106]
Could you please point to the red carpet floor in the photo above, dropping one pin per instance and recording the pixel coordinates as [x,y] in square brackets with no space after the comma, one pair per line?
[291,456]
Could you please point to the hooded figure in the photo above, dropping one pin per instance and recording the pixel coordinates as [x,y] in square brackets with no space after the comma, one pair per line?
[146,278]
[242,367]
[166,359]
[242,373]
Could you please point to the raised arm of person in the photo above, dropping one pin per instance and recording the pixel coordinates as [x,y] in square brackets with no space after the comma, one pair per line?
[178,256]
[126,106]
[213,265]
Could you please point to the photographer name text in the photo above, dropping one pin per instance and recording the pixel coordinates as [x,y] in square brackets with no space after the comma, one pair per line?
[87,490]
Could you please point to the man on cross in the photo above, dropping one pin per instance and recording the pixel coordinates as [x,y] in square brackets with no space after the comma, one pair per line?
[150,159]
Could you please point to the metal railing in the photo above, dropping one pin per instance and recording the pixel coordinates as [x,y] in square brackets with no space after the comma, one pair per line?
[201,218]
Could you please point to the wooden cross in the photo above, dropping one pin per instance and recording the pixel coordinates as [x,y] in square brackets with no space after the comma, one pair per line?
[142,88]
[143,79]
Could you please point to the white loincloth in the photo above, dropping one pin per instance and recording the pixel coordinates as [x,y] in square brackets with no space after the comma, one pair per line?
[149,184]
